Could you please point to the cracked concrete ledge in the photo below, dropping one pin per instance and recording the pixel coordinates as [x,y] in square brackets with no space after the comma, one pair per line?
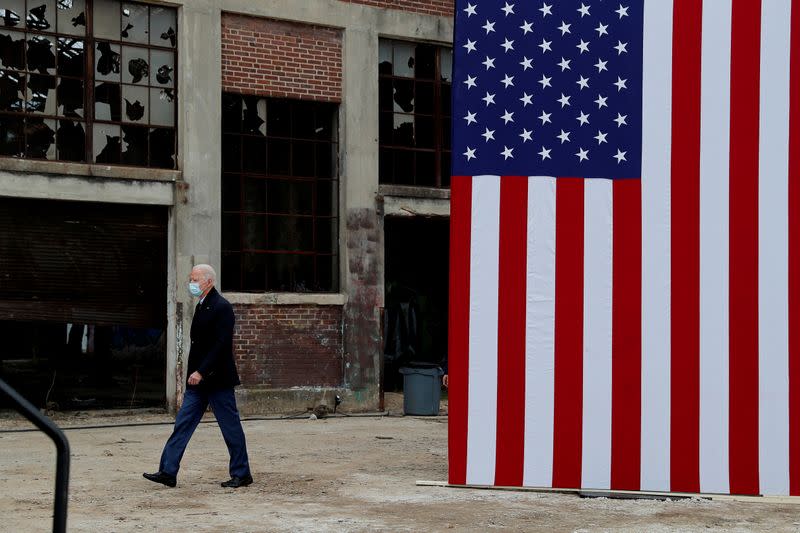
[89,170]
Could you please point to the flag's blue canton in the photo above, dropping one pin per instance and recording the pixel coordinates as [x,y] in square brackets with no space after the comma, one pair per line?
[548,88]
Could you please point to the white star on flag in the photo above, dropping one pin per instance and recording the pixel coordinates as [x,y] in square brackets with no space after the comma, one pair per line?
[470,118]
[582,154]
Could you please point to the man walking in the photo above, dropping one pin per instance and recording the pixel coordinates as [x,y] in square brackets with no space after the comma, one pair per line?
[212,376]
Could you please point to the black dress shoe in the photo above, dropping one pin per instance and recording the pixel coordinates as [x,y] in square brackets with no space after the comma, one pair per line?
[160,477]
[236,482]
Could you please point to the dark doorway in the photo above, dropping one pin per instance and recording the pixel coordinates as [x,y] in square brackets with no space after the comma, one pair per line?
[416,277]
[83,303]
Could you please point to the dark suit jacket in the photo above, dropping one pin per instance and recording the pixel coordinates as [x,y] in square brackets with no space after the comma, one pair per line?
[211,352]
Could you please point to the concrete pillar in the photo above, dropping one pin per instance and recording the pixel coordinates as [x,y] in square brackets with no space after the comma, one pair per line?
[195,221]
[361,228]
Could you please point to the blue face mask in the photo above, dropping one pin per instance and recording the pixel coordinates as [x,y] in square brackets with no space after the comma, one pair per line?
[194,289]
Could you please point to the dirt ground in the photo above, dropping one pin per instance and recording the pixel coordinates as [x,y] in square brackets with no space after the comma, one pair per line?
[334,474]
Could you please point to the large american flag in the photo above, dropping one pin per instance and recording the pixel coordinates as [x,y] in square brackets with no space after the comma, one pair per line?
[625,245]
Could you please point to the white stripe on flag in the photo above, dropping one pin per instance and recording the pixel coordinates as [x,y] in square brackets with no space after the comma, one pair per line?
[773,253]
[656,271]
[597,310]
[484,271]
[714,186]
[540,332]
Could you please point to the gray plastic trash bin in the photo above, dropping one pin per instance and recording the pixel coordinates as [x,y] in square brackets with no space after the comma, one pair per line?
[422,389]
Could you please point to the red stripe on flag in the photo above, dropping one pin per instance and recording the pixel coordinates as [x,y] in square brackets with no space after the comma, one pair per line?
[458,327]
[743,325]
[626,340]
[509,458]
[794,254]
[568,373]
[685,239]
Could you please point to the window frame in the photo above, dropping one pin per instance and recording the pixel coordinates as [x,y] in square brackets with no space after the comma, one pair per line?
[89,80]
[321,112]
[441,122]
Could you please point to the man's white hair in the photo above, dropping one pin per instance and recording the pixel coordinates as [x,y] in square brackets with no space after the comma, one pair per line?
[208,272]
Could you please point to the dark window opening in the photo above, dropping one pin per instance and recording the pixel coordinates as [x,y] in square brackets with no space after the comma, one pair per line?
[69,83]
[280,195]
[416,294]
[414,86]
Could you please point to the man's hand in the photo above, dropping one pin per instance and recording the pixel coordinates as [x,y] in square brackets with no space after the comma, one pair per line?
[446,380]
[195,378]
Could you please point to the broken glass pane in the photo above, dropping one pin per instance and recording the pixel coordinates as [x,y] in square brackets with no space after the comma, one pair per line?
[107,61]
[105,19]
[278,118]
[404,95]
[162,68]
[134,145]
[136,67]
[446,68]
[40,137]
[231,112]
[134,27]
[71,16]
[106,143]
[41,14]
[254,115]
[107,102]
[425,65]
[162,107]
[71,141]
[11,136]
[403,59]
[71,56]
[162,148]
[41,54]
[403,129]
[385,58]
[12,49]
[162,26]
[135,104]
[70,97]
[12,90]
[11,12]
[41,94]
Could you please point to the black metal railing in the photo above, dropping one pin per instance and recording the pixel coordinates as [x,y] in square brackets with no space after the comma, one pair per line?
[49,428]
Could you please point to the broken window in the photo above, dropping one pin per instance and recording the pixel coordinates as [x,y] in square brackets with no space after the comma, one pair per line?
[279,195]
[414,82]
[130,87]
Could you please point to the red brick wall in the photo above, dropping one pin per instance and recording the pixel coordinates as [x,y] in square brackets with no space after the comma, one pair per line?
[281,59]
[281,346]
[426,7]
